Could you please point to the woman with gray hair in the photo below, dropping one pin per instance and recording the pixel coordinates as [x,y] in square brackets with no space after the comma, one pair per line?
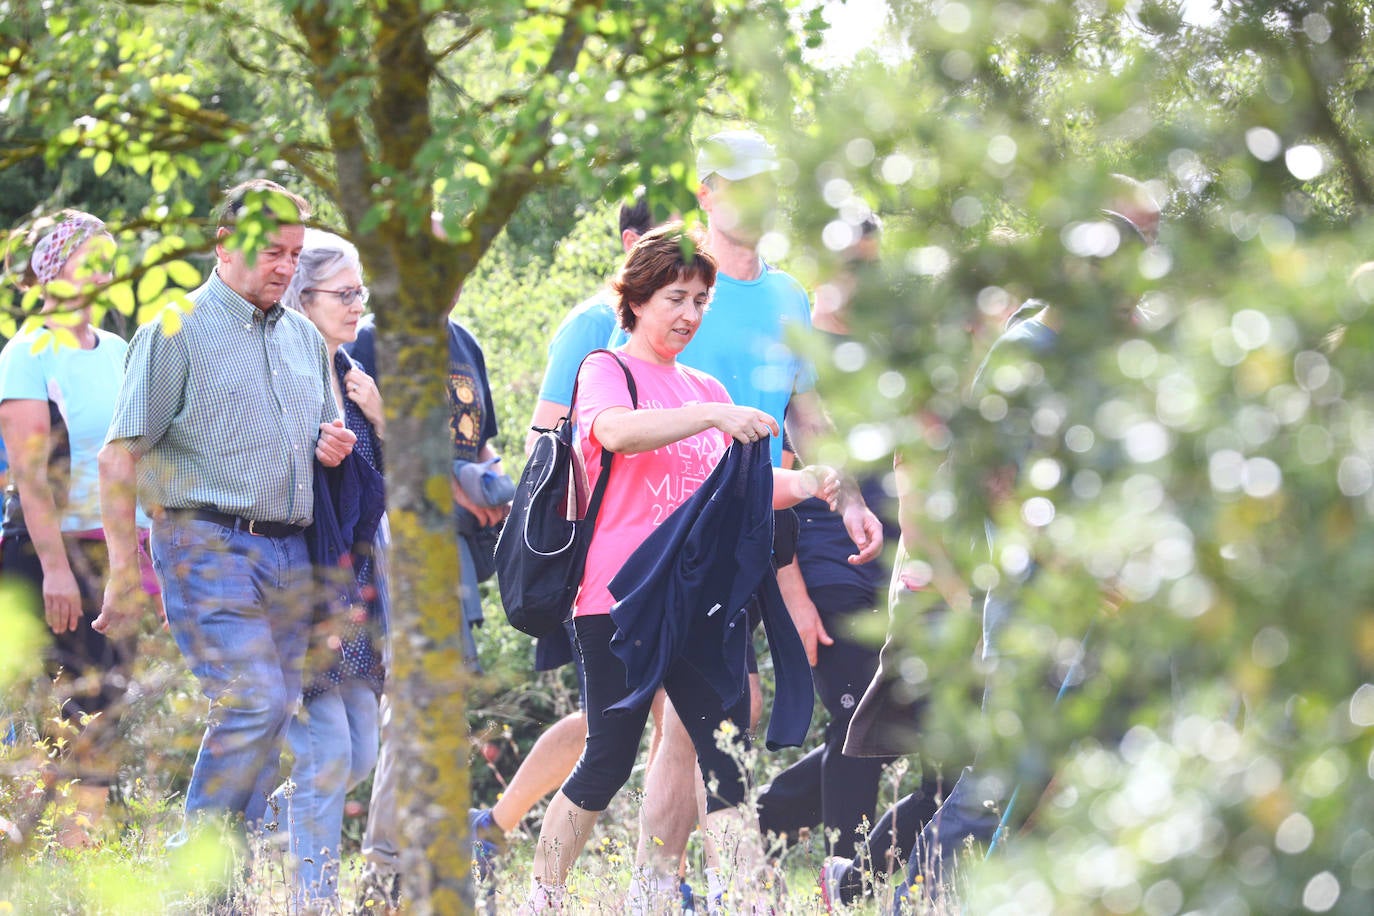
[334,736]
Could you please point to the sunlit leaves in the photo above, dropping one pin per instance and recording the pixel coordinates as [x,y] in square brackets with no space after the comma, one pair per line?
[21,626]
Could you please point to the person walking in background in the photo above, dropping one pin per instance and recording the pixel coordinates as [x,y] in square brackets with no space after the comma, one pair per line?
[833,601]
[968,816]
[481,491]
[334,735]
[221,421]
[57,395]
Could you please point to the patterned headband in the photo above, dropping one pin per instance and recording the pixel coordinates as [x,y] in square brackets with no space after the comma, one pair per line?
[57,247]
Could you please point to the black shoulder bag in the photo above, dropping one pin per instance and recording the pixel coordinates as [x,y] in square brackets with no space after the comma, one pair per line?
[543,545]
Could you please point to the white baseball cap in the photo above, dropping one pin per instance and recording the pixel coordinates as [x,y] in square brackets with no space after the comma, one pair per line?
[735,155]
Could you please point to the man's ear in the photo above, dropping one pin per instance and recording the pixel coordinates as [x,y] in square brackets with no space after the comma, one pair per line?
[221,253]
[704,196]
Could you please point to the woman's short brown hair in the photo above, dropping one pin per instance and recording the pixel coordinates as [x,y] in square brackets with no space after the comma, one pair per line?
[670,252]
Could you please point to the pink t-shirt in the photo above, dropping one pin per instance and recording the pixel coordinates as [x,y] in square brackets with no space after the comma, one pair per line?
[648,487]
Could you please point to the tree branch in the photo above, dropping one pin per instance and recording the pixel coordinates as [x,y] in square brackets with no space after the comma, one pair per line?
[459,43]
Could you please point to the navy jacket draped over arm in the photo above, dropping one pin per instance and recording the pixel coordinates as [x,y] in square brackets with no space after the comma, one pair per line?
[683,594]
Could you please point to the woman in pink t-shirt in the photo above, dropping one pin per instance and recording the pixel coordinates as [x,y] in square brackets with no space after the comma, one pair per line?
[664,447]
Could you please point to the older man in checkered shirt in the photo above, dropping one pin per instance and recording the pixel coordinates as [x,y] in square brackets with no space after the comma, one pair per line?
[220,419]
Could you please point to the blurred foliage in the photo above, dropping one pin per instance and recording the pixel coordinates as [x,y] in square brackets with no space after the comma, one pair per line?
[1209,461]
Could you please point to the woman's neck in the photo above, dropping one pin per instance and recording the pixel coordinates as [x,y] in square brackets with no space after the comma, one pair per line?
[641,350]
[83,332]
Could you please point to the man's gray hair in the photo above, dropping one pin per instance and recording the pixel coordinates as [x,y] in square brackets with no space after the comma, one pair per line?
[323,255]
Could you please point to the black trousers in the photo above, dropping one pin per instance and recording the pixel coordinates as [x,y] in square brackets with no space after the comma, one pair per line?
[89,673]
[826,787]
[613,741]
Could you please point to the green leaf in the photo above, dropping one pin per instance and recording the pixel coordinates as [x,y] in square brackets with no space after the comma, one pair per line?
[151,284]
[121,296]
[478,172]
[163,174]
[282,207]
[102,162]
[171,322]
[41,342]
[183,274]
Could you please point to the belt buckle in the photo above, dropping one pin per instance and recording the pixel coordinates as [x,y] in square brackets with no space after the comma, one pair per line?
[252,530]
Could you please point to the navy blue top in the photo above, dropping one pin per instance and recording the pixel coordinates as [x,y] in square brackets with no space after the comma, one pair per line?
[824,546]
[473,415]
[349,502]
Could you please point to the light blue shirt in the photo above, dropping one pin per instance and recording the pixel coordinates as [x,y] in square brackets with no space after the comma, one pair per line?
[587,327]
[82,384]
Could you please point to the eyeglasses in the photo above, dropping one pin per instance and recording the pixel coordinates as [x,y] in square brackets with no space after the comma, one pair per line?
[346,296]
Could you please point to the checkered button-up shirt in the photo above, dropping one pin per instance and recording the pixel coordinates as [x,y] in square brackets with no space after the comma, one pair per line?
[224,413]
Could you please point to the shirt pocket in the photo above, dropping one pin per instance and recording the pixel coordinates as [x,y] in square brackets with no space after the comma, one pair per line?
[228,415]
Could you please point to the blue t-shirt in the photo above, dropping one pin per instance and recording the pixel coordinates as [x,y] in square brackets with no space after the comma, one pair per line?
[83,384]
[587,327]
[1032,333]
[743,342]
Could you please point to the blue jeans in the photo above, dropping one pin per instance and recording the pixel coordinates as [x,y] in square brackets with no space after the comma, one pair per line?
[238,606]
[334,739]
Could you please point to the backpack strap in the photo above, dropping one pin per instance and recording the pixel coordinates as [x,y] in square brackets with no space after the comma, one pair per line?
[604,477]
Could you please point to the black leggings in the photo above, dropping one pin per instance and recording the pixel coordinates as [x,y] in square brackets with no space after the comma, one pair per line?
[613,741]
